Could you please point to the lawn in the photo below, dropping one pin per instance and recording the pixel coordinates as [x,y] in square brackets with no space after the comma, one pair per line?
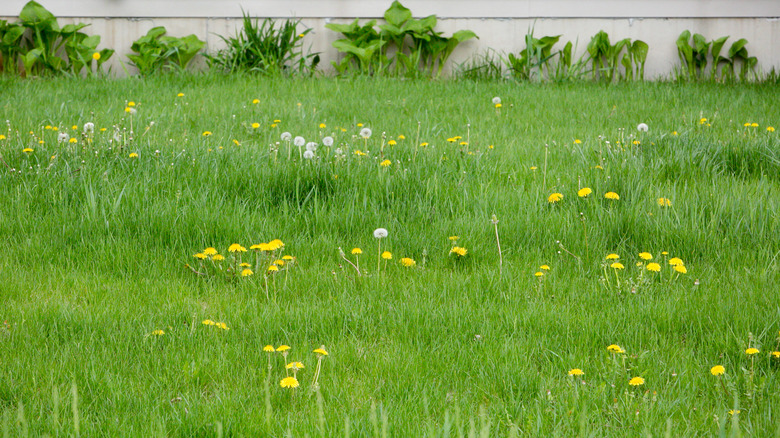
[117,320]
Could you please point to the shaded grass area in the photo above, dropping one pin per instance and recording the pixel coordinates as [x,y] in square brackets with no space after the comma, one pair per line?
[97,242]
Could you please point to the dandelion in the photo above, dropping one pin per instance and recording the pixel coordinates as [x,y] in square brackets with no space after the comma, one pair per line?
[576,372]
[289,382]
[269,349]
[402,137]
[133,155]
[676,261]
[776,354]
[387,255]
[27,150]
[2,137]
[365,133]
[357,251]
[612,195]
[210,251]
[751,351]
[286,136]
[236,248]
[273,268]
[255,101]
[717,370]
[321,351]
[754,125]
[206,133]
[221,325]
[734,412]
[642,127]
[612,256]
[653,267]
[681,269]
[218,258]
[246,272]
[496,100]
[255,125]
[584,192]
[636,381]
[299,141]
[208,322]
[89,128]
[555,197]
[664,202]
[308,155]
[311,146]
[703,120]
[295,366]
[385,163]
[392,143]
[544,267]
[327,141]
[200,256]
[538,274]
[322,126]
[282,348]
[577,141]
[645,256]
[180,95]
[460,251]
[770,129]
[380,233]
[408,262]
[62,137]
[617,265]
[157,333]
[614,348]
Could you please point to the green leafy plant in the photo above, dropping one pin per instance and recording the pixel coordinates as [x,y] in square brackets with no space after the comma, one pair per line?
[38,42]
[415,46]
[266,48]
[531,62]
[695,53]
[156,52]
[606,60]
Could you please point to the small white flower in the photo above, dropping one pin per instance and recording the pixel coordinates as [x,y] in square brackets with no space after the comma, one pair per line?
[380,233]
[339,151]
[365,133]
[642,127]
[496,100]
[89,128]
[299,141]
[286,136]
[308,155]
[62,137]
[327,141]
[311,146]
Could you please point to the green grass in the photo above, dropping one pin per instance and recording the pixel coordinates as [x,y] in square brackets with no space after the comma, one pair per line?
[96,245]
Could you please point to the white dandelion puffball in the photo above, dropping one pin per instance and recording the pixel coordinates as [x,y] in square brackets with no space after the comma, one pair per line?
[642,127]
[286,136]
[496,100]
[308,155]
[62,137]
[365,133]
[299,141]
[380,233]
[311,146]
[327,141]
[339,151]
[89,127]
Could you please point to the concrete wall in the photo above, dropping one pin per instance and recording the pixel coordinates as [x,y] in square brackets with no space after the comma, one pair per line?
[500,24]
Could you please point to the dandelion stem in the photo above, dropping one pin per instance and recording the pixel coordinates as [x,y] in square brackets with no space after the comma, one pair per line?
[379,257]
[498,243]
[344,256]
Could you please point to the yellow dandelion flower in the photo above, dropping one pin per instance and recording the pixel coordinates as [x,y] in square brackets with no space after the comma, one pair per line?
[614,348]
[611,195]
[298,365]
[423,144]
[321,351]
[460,251]
[246,272]
[392,143]
[776,354]
[498,105]
[210,251]
[322,126]
[245,265]
[279,262]
[180,95]
[751,351]
[277,121]
[269,348]
[255,125]
[734,412]
[454,238]
[664,202]
[218,257]
[675,261]
[402,137]
[754,125]
[576,372]
[385,163]
[408,262]
[289,382]
[276,244]
[255,101]
[96,56]
[200,256]
[132,155]
[645,256]
[584,192]
[617,265]
[27,150]
[555,197]
[2,137]
[222,325]
[717,370]
[770,129]
[681,269]
[283,347]
[206,133]
[654,267]
[538,274]
[544,267]
[273,268]
[577,141]
[636,381]
[675,133]
[208,322]
[236,248]
[359,125]
[387,255]
[612,256]
[289,257]
[357,251]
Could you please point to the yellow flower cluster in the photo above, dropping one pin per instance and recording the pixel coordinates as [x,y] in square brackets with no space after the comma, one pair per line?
[210,323]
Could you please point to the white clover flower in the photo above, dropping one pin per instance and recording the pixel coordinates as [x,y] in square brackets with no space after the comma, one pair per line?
[286,136]
[642,127]
[365,133]
[311,146]
[308,155]
[496,100]
[299,141]
[380,233]
[89,127]
[62,137]
[327,141]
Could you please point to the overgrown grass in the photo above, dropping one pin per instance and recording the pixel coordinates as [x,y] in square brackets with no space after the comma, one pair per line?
[96,244]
